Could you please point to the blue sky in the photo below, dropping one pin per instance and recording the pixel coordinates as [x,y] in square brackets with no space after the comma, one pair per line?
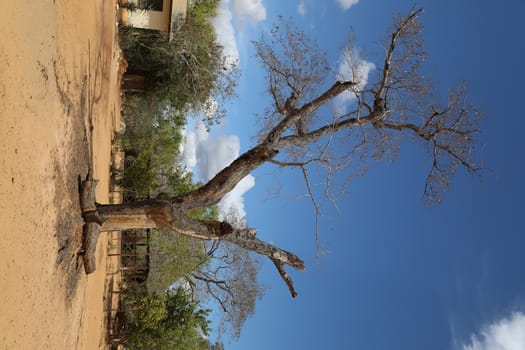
[398,274]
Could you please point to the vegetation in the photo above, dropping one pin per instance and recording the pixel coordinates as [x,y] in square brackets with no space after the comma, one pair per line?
[228,278]
[184,73]
[172,259]
[165,321]
[151,142]
[185,67]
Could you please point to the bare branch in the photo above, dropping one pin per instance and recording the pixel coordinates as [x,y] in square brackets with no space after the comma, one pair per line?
[302,141]
[450,132]
[224,182]
[309,191]
[286,278]
[294,63]
[401,28]
[312,199]
[256,245]
[274,136]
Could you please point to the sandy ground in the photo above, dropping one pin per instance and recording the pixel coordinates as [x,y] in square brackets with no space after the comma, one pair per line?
[59,110]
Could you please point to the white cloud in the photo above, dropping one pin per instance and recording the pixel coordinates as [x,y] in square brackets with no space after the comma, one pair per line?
[235,199]
[301,8]
[352,68]
[225,33]
[240,10]
[254,10]
[504,334]
[189,149]
[346,4]
[211,155]
[192,143]
[215,154]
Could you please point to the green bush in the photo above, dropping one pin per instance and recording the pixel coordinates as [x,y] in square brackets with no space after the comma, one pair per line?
[151,142]
[165,321]
[185,69]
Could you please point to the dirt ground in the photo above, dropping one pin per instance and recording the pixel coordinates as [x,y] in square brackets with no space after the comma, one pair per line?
[59,111]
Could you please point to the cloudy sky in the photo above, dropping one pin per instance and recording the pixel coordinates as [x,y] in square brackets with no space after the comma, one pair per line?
[398,274]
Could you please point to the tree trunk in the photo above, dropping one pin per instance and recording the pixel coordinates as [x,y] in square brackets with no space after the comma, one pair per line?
[89,242]
[134,83]
[153,213]
[150,213]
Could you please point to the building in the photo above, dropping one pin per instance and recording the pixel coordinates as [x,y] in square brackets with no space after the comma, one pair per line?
[162,15]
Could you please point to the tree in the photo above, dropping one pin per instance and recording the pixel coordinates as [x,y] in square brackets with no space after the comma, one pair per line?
[172,258]
[228,277]
[299,132]
[165,321]
[151,140]
[185,67]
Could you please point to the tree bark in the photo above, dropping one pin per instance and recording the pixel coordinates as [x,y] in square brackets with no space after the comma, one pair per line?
[134,82]
[225,181]
[153,213]
[150,213]
[89,242]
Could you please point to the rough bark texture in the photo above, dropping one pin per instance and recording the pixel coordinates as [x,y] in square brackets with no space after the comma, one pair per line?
[149,213]
[91,232]
[222,183]
[159,213]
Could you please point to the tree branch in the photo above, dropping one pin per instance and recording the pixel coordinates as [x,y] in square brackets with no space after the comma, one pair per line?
[274,136]
[390,53]
[224,182]
[286,278]
[302,141]
[304,170]
[256,245]
[245,238]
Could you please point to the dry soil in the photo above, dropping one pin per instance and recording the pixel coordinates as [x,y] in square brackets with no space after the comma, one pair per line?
[59,112]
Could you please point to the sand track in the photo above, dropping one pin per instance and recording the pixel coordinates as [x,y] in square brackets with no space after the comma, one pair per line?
[59,108]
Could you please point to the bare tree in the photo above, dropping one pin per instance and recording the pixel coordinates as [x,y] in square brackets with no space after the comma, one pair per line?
[229,278]
[301,130]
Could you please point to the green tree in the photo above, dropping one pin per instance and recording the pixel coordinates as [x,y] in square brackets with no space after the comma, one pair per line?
[165,321]
[221,273]
[151,142]
[186,69]
[172,258]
